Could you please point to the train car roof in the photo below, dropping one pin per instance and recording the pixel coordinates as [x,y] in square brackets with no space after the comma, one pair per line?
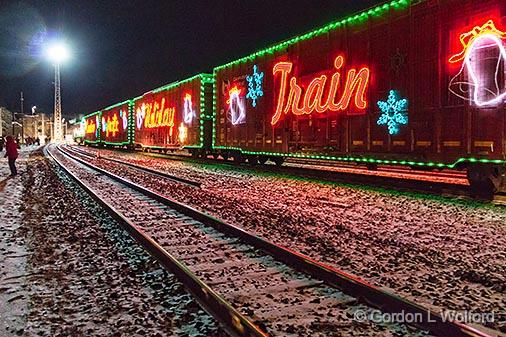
[358,17]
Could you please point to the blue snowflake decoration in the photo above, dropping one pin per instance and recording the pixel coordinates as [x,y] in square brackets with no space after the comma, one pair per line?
[255,85]
[394,112]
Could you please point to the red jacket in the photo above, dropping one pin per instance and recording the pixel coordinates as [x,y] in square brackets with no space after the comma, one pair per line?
[11,149]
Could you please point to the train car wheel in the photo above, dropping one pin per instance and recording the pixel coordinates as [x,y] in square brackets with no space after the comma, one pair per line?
[484,180]
[252,160]
[483,190]
[278,161]
[239,159]
[262,159]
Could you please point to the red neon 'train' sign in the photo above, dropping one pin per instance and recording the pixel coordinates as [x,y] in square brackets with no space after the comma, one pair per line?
[312,100]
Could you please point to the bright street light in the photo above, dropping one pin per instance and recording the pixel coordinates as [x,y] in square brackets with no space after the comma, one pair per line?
[57,52]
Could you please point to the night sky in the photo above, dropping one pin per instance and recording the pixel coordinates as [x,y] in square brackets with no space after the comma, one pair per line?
[122,49]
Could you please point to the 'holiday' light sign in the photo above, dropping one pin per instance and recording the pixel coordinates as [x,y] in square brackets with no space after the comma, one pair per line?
[155,114]
[312,100]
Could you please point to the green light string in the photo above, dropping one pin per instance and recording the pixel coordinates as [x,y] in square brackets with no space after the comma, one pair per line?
[354,19]
[367,160]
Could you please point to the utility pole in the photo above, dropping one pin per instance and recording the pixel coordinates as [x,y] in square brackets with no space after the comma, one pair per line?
[43,135]
[12,122]
[22,103]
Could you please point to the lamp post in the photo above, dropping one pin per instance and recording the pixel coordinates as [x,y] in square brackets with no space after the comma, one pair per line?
[64,127]
[57,53]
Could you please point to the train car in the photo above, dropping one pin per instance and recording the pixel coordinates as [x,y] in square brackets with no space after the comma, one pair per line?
[116,125]
[177,116]
[416,83]
[77,128]
[92,128]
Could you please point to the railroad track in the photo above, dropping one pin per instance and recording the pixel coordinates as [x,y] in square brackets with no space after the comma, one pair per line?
[460,177]
[356,176]
[386,169]
[252,286]
[137,167]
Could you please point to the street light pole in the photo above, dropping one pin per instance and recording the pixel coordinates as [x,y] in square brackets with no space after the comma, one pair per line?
[58,135]
[57,53]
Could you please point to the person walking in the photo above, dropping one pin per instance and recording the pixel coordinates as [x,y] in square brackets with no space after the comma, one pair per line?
[11,152]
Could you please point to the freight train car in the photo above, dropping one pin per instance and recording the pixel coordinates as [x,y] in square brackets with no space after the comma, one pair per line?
[175,116]
[416,83]
[116,125]
[92,128]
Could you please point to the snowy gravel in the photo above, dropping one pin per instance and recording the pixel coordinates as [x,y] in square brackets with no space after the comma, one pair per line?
[440,252]
[284,301]
[87,277]
[13,299]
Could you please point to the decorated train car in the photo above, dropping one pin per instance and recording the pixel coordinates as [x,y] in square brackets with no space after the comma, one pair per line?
[116,125]
[176,116]
[417,83]
[92,128]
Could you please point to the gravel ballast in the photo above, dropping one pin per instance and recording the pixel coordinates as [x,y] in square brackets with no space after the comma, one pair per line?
[87,277]
[443,253]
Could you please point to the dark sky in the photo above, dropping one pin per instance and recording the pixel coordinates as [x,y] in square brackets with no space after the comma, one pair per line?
[122,49]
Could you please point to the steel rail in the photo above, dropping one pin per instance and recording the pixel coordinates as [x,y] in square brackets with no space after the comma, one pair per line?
[382,169]
[233,321]
[350,284]
[83,153]
[142,168]
[405,184]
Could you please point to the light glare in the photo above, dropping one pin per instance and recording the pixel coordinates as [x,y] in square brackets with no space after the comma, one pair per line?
[58,53]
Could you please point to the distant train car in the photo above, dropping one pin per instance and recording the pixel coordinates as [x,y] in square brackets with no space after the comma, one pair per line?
[116,125]
[417,83]
[176,116]
[77,128]
[92,128]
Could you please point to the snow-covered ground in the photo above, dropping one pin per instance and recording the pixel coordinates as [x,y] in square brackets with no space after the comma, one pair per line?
[13,254]
[440,252]
[286,302]
[71,271]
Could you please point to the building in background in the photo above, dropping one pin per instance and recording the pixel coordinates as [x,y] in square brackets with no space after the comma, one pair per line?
[36,126]
[5,122]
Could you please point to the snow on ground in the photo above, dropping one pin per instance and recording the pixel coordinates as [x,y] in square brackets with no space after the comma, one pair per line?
[285,302]
[13,296]
[440,252]
[71,271]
